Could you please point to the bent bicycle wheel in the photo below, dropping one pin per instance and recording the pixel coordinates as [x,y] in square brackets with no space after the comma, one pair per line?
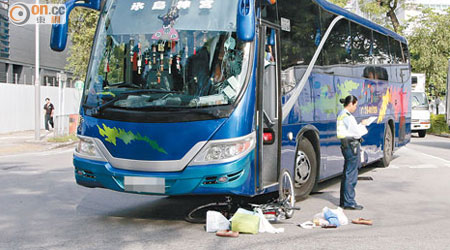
[198,214]
[287,193]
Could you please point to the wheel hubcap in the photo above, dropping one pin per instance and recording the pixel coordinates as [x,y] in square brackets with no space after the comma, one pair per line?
[302,169]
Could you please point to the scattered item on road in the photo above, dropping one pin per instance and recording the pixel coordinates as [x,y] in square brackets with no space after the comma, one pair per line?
[245,221]
[343,220]
[273,210]
[330,226]
[307,225]
[331,217]
[327,219]
[264,224]
[365,178]
[215,221]
[227,233]
[362,221]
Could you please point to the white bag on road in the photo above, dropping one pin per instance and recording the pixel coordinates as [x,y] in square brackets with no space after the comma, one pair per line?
[215,221]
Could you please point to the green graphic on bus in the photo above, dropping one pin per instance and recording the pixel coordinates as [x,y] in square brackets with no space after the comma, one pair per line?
[112,134]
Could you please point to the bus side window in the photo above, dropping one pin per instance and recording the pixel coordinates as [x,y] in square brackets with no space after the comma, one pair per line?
[381,48]
[337,48]
[336,53]
[299,42]
[397,60]
[362,51]
[361,45]
[405,69]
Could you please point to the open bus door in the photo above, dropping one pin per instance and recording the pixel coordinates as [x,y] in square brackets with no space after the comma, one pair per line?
[269,108]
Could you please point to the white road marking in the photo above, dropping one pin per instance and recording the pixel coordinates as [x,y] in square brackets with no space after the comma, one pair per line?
[435,157]
[43,153]
[447,162]
[423,166]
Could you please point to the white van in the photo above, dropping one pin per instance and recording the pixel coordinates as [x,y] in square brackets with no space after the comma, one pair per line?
[420,113]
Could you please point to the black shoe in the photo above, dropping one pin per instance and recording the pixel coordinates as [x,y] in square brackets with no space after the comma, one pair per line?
[355,207]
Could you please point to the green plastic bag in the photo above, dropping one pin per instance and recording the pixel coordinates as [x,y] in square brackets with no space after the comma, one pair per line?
[245,223]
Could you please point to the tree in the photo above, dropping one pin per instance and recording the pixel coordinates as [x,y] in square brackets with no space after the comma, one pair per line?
[378,10]
[340,3]
[429,45]
[83,23]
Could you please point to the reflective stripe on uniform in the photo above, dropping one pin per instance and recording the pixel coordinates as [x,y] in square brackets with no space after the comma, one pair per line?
[341,130]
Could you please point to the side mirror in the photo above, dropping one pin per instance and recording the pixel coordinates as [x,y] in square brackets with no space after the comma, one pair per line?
[58,37]
[246,20]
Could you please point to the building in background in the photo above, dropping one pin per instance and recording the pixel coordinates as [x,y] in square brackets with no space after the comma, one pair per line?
[17,70]
[17,52]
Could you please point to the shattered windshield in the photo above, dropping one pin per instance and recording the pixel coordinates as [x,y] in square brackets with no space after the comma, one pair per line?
[166,54]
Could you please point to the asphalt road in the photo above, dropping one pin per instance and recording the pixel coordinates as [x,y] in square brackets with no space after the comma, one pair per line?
[41,207]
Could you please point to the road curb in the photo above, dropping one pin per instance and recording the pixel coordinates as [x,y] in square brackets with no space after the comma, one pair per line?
[62,145]
[442,135]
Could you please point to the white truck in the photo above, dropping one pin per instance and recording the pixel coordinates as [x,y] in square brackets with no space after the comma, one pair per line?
[420,113]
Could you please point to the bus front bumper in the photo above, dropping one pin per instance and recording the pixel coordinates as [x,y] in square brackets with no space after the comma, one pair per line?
[228,178]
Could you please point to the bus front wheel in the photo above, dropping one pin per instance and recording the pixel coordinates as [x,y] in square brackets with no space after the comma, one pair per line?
[305,171]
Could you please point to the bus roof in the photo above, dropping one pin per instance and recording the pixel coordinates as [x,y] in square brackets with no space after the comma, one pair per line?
[358,19]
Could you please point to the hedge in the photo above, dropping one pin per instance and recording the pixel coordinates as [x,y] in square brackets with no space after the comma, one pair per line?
[438,124]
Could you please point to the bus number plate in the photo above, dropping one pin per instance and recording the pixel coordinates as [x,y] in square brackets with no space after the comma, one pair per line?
[145,184]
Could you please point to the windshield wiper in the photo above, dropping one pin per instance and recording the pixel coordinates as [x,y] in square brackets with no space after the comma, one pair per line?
[123,85]
[97,109]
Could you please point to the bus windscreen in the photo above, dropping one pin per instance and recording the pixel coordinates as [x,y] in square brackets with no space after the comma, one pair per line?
[157,56]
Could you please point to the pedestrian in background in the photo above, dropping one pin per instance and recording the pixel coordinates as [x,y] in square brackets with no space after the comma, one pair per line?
[49,110]
[350,133]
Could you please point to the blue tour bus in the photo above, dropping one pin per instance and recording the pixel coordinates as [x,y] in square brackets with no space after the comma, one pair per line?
[235,97]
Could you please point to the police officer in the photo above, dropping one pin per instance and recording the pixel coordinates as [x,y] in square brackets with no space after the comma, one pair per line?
[350,133]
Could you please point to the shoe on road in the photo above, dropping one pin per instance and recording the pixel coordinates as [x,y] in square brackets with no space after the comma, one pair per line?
[362,221]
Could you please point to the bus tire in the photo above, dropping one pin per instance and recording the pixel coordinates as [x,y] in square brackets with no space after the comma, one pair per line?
[422,133]
[387,148]
[305,169]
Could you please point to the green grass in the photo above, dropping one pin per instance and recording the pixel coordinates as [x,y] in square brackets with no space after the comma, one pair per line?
[67,138]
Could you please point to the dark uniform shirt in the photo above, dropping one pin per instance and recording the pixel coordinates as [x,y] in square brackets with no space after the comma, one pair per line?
[48,108]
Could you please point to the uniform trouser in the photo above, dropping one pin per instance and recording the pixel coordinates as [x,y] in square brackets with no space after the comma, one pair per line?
[350,175]
[48,119]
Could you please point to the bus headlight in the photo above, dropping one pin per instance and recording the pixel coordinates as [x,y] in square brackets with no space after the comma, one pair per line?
[87,147]
[221,151]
